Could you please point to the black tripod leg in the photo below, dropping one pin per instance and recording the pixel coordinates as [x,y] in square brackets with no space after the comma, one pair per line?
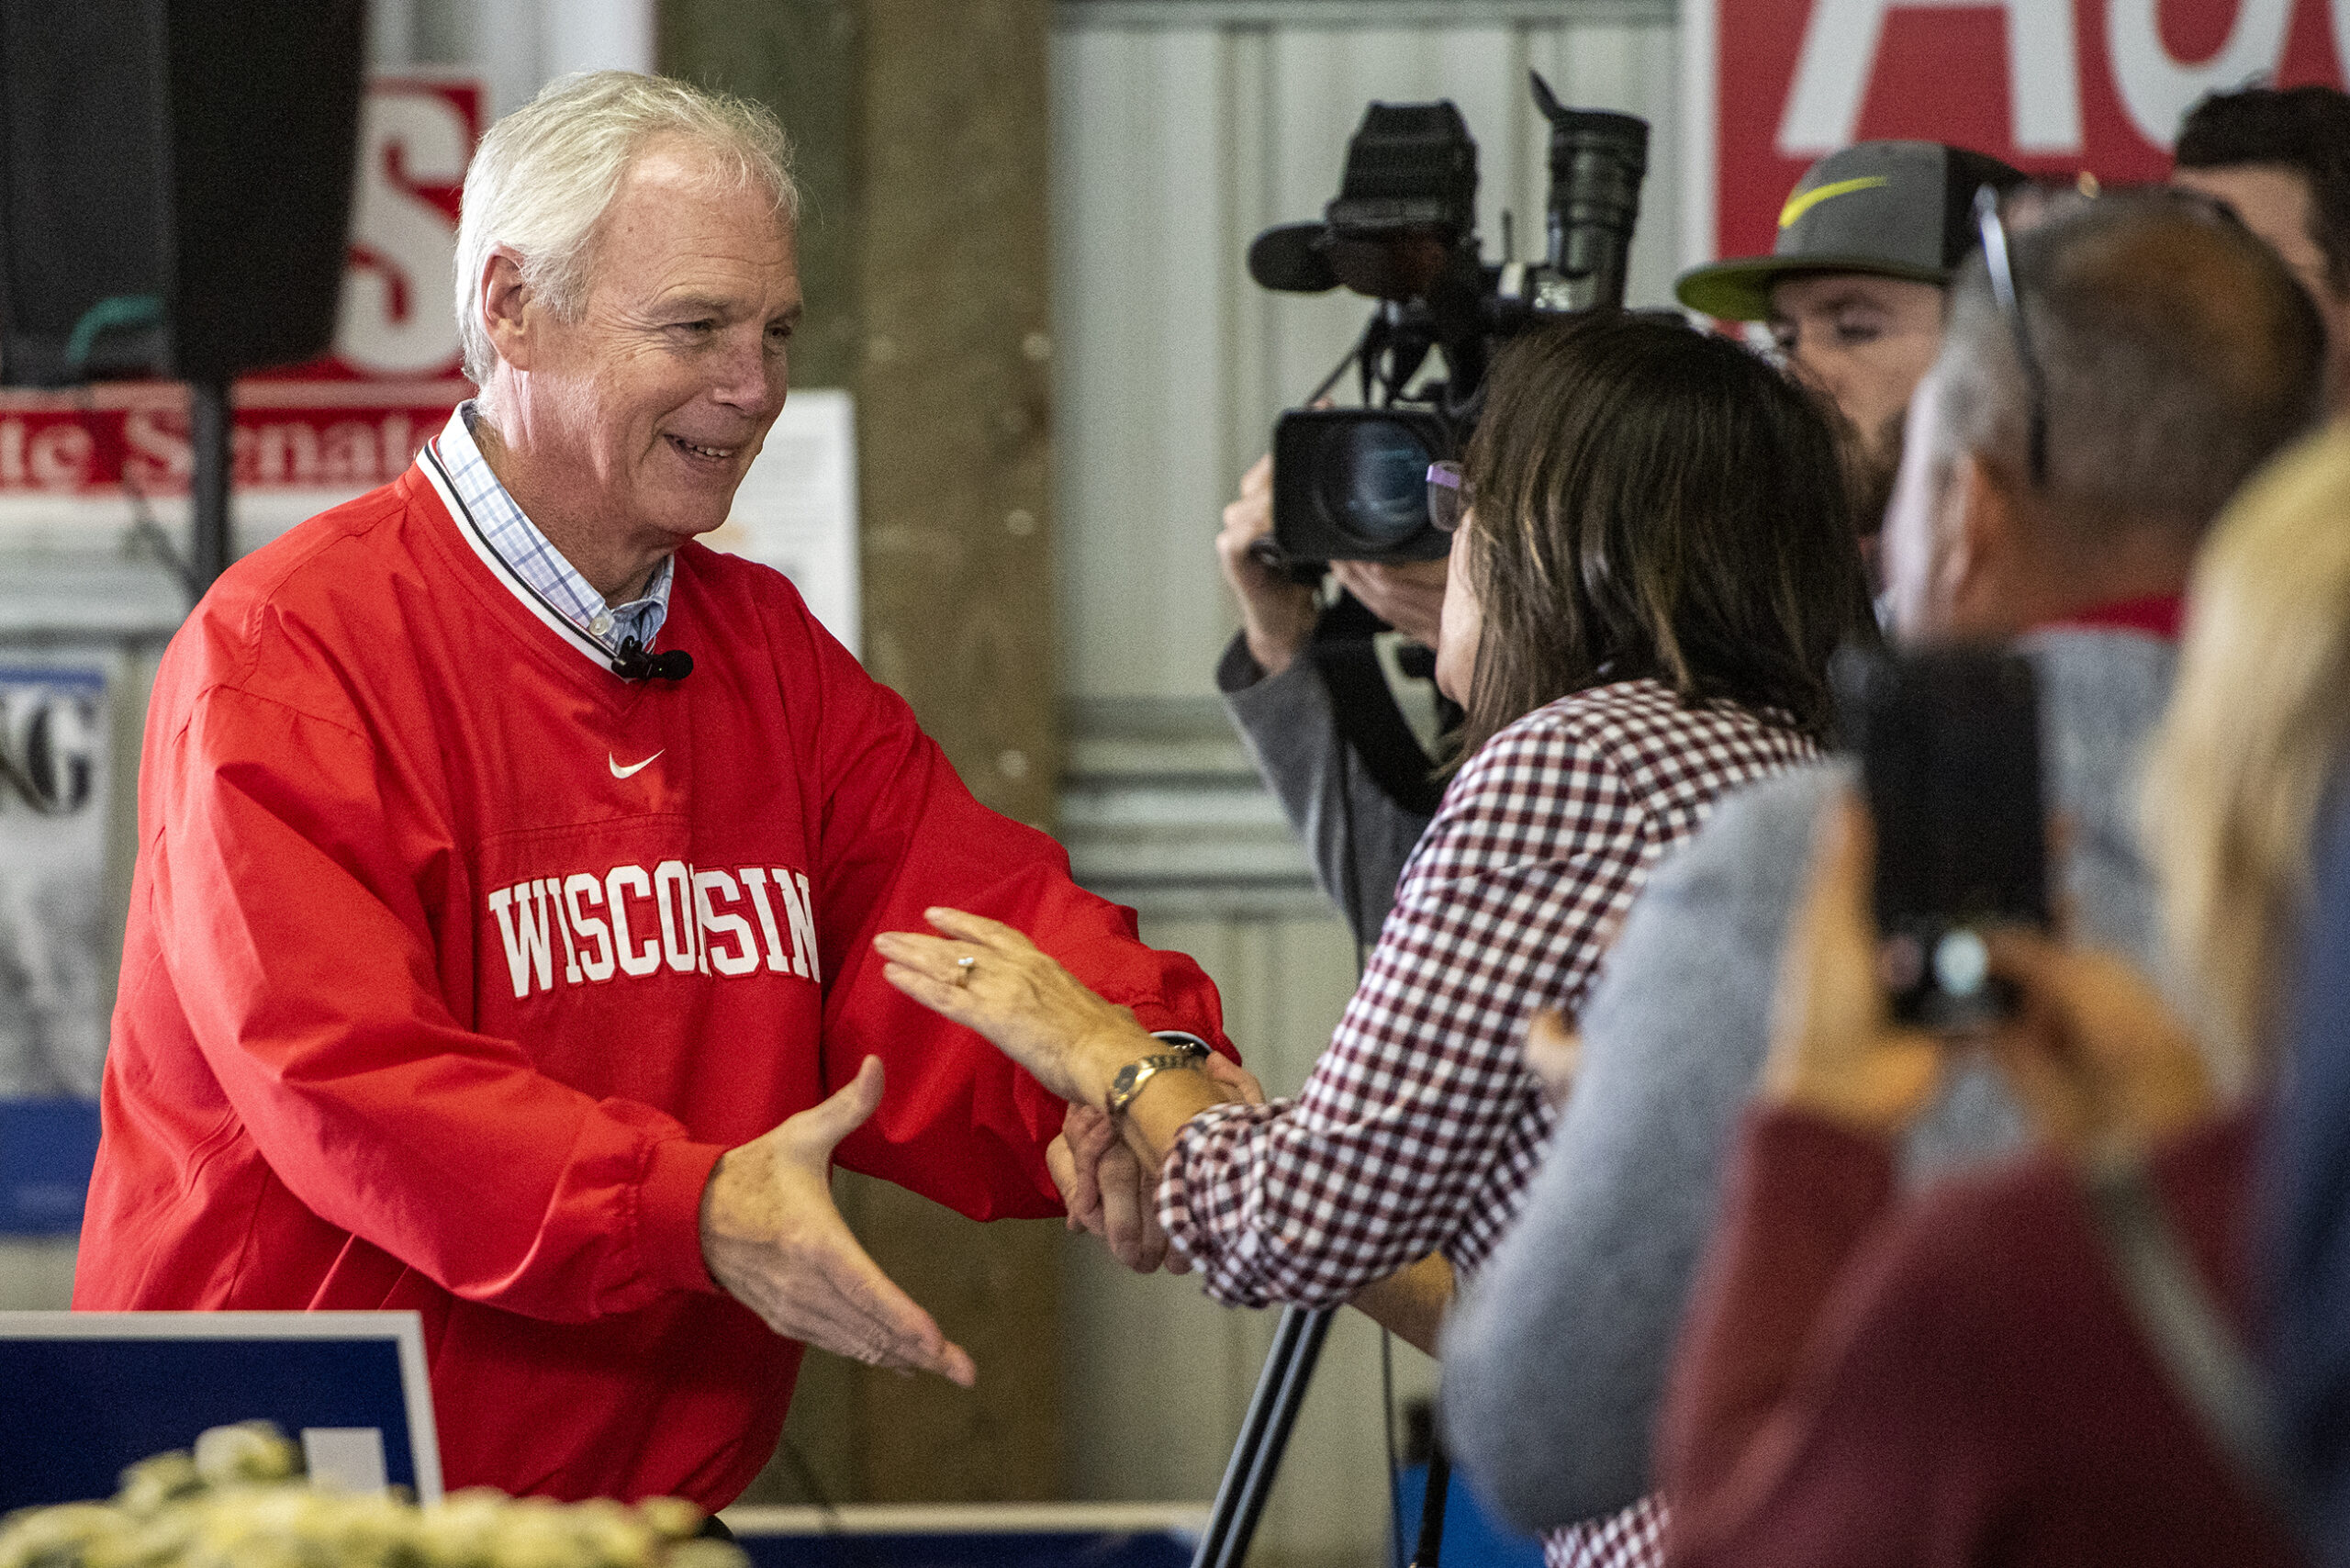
[1264,1434]
[1432,1508]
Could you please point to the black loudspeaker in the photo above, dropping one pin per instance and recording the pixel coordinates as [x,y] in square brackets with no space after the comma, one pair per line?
[175,183]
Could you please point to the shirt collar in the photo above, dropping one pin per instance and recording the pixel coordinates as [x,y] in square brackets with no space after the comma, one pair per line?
[2156,615]
[532,558]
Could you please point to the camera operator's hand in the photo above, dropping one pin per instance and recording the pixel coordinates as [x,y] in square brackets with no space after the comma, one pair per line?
[1408,595]
[1276,614]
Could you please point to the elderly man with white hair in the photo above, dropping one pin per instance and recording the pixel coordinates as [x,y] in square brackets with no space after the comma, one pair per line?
[509,861]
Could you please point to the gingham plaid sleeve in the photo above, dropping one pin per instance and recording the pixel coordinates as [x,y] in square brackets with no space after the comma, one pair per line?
[1420,1124]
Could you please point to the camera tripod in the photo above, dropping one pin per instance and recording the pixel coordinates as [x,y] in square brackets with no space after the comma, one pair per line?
[1264,1437]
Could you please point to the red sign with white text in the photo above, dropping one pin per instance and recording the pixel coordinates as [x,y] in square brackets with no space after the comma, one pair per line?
[346,434]
[345,423]
[2054,86]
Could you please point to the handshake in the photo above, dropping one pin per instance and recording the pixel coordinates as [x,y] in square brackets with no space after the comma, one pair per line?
[989,978]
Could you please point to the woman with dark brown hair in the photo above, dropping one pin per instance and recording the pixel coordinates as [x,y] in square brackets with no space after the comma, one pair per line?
[1653,562]
[1651,503]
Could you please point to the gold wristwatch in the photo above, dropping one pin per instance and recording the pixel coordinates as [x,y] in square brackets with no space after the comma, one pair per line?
[1189,1052]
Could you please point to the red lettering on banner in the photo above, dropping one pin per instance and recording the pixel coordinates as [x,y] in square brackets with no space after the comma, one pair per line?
[139,434]
[2055,86]
[340,426]
[415,139]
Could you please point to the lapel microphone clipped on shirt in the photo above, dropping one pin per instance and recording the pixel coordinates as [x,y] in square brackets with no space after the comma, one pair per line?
[632,662]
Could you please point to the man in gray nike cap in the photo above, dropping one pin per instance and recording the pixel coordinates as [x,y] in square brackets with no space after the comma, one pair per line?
[1852,287]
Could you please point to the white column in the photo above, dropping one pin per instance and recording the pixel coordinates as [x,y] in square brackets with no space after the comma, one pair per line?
[595,34]
[520,46]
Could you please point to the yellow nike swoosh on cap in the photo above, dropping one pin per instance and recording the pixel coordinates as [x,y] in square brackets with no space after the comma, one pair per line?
[1803,201]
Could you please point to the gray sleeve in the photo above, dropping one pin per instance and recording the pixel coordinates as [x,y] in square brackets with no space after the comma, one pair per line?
[1555,1359]
[1286,722]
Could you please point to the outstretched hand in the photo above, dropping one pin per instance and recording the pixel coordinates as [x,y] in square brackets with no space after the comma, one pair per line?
[986,976]
[772,1239]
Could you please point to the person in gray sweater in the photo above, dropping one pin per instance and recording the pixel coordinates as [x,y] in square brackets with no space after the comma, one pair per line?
[1359,817]
[2176,354]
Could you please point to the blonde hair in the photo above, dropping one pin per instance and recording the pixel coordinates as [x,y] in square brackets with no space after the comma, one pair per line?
[543,178]
[2256,726]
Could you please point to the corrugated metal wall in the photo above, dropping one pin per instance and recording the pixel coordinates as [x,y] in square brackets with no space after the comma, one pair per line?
[1180,130]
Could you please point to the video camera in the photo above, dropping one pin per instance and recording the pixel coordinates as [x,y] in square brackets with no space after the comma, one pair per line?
[1350,484]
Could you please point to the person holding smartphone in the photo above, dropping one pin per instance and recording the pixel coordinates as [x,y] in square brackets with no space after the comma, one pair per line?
[2175,355]
[1970,1376]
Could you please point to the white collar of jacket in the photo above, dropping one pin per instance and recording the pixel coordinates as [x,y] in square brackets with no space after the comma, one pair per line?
[522,558]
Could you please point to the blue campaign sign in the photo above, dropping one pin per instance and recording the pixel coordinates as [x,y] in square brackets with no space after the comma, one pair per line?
[84,1394]
[47,1147]
[1472,1538]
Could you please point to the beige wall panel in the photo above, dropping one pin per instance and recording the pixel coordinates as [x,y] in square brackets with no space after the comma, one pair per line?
[36,1275]
[1137,305]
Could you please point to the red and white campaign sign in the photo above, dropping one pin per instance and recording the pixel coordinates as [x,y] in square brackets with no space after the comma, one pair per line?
[2054,86]
[305,437]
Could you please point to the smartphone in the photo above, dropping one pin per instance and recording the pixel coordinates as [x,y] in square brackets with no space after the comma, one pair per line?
[1949,759]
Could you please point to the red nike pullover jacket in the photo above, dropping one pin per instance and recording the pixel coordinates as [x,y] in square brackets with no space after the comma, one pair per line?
[454,962]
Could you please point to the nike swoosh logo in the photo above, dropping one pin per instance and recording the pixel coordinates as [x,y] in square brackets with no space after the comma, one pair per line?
[633,769]
[1799,205]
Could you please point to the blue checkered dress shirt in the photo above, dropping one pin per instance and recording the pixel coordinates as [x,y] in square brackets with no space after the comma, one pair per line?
[536,561]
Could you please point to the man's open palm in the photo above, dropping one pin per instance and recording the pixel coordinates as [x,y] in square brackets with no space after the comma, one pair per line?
[774,1242]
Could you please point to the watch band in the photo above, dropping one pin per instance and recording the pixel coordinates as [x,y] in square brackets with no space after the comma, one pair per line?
[1190,1052]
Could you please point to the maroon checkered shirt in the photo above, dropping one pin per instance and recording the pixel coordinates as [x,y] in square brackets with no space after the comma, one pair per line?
[1420,1127]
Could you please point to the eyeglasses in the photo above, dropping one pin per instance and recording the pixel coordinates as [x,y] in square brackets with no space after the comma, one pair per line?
[2003,289]
[1448,496]
[2034,204]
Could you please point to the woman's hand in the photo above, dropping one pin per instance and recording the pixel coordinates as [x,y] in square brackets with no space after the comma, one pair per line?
[986,976]
[2093,1052]
[1835,1049]
[1553,1052]
[1109,1191]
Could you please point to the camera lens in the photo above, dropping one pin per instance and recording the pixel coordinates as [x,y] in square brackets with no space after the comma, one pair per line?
[1373,483]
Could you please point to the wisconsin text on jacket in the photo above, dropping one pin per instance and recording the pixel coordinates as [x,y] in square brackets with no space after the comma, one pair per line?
[605,925]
